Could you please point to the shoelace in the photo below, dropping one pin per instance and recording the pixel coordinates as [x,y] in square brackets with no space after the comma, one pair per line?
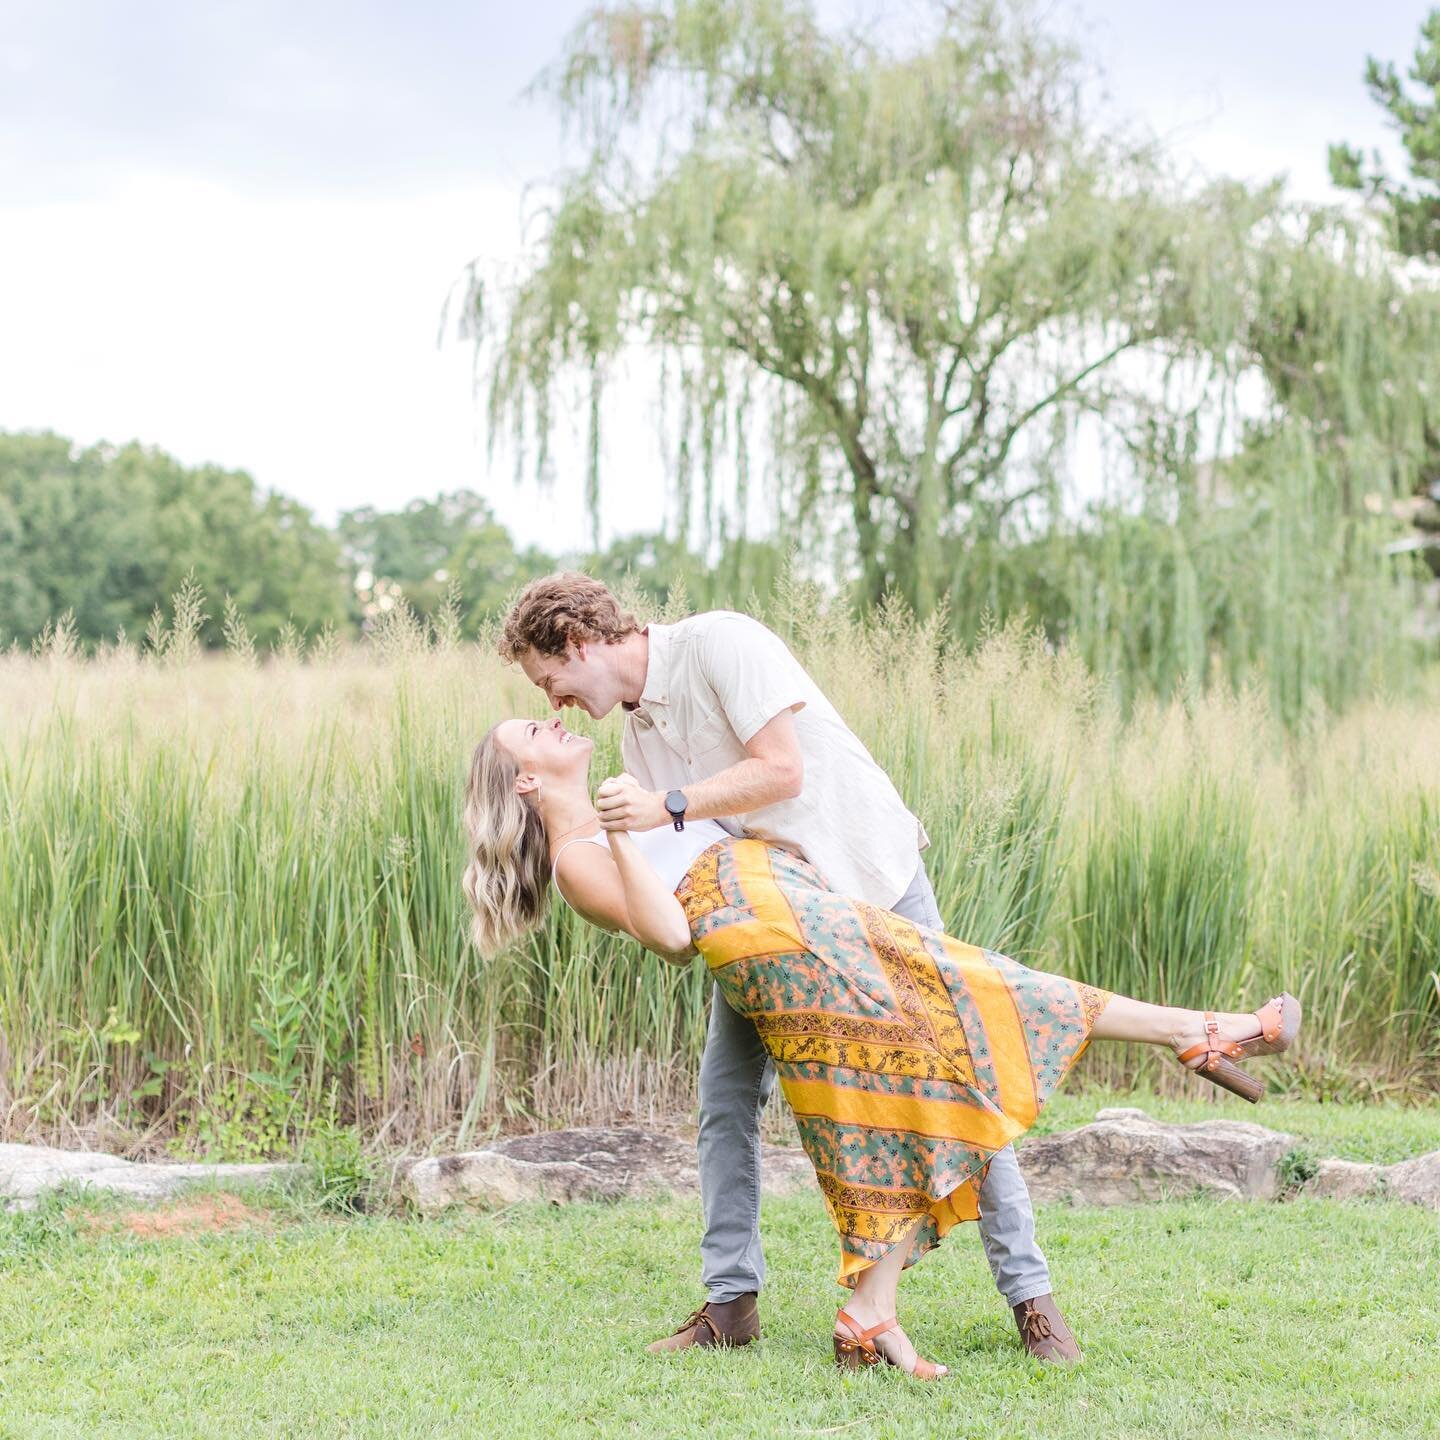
[698,1319]
[1036,1325]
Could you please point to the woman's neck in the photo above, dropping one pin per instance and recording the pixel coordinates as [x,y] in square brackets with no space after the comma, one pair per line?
[566,813]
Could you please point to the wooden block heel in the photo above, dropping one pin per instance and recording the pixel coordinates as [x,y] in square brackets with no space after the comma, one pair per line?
[850,1355]
[1229,1076]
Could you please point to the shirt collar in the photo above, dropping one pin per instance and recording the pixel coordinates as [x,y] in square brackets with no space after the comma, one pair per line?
[657,669]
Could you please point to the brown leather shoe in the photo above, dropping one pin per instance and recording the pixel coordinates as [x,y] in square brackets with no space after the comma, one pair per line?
[1044,1331]
[726,1323]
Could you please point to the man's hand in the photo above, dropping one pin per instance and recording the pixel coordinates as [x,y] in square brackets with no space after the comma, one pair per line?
[623,804]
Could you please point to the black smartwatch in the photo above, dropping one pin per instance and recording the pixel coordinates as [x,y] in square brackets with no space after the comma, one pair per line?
[675,803]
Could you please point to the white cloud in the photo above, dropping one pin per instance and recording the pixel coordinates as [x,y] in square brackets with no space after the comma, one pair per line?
[274,306]
[295,339]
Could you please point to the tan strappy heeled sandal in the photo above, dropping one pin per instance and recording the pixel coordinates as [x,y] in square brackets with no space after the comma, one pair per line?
[856,1349]
[1279,1022]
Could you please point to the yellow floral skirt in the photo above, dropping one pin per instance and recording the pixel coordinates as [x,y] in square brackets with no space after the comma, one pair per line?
[908,1057]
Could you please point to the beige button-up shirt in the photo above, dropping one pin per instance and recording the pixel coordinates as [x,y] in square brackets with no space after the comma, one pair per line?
[713,681]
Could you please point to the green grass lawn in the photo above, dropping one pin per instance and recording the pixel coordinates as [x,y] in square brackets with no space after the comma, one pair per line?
[1200,1319]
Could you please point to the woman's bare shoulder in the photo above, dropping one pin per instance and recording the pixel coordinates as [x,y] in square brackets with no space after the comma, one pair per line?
[587,877]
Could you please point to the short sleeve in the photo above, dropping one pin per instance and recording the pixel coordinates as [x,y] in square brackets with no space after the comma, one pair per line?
[752,672]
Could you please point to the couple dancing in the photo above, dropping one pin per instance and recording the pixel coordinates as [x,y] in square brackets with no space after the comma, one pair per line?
[754,829]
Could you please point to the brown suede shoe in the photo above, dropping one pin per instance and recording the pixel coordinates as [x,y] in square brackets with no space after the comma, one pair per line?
[1044,1331]
[726,1323]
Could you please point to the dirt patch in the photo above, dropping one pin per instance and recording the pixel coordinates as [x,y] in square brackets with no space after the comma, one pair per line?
[202,1215]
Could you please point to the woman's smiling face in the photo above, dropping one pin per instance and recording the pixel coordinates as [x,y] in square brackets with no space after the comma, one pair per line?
[545,748]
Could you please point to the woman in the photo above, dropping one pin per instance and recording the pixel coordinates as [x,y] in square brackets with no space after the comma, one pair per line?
[908,1057]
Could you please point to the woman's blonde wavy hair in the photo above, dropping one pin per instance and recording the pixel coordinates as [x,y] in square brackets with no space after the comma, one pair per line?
[507,879]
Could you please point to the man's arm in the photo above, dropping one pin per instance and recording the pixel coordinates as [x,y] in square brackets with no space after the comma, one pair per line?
[773,770]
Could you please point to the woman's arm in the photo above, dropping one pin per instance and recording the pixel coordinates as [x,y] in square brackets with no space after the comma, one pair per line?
[654,910]
[618,890]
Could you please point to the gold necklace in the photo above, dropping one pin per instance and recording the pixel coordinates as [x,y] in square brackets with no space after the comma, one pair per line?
[594,817]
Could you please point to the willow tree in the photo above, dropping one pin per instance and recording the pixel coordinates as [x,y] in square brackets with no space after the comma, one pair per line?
[919,263]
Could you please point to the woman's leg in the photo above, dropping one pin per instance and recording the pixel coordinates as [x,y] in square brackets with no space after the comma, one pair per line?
[1127,1019]
[874,1301]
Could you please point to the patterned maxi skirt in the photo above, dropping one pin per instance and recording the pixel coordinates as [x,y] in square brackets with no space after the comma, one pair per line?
[909,1058]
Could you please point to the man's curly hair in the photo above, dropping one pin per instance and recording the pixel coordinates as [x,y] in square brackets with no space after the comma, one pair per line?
[559,608]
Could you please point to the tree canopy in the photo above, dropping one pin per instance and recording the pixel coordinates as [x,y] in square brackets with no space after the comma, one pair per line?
[919,273]
[1414,113]
[928,261]
[429,546]
[109,533]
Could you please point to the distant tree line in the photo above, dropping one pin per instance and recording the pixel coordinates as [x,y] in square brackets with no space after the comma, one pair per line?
[109,533]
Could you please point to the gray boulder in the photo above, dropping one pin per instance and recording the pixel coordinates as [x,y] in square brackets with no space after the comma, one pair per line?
[1415,1181]
[1124,1157]
[586,1163]
[28,1171]
[1346,1180]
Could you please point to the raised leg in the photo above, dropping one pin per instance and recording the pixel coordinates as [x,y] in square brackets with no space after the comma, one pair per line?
[1127,1019]
[1204,1041]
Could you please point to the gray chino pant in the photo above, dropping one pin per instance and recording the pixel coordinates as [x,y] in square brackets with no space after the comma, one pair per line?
[736,1079]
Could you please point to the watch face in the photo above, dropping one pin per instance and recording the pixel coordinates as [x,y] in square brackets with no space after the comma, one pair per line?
[675,802]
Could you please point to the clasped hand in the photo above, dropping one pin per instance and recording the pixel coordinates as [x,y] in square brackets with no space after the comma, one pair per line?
[622,803]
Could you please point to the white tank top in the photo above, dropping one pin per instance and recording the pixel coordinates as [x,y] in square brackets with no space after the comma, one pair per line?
[670,852]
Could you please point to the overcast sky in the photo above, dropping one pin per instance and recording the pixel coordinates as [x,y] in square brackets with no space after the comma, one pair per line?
[230,230]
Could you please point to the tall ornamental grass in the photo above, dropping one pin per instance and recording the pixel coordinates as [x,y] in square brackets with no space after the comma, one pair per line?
[230,907]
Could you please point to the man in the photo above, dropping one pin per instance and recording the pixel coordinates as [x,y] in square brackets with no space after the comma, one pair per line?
[723,723]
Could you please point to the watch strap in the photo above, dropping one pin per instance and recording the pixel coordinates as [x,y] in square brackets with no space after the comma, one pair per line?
[676,815]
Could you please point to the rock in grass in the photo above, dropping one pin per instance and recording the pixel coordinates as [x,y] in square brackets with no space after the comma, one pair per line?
[1346,1180]
[587,1163]
[1124,1157]
[28,1171]
[1416,1181]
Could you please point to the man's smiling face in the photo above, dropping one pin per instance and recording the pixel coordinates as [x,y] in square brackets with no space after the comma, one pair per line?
[584,675]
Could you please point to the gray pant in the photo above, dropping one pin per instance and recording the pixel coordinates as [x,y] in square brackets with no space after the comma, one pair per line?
[736,1079]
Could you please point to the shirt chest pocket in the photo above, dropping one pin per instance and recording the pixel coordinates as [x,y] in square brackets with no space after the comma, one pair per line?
[711,744]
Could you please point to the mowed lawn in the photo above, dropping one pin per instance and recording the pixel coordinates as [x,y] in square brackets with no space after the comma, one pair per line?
[1310,1318]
